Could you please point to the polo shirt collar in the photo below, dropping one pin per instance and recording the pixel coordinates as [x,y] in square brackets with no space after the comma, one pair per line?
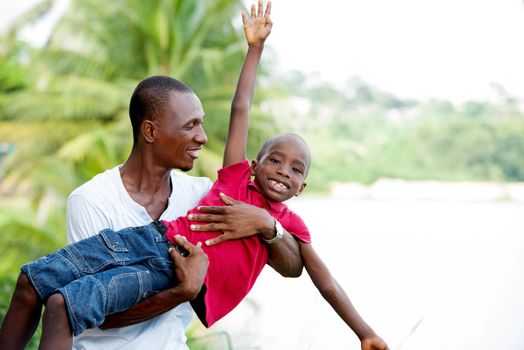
[274,206]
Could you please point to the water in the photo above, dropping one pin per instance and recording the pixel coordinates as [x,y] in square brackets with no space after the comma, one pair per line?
[450,273]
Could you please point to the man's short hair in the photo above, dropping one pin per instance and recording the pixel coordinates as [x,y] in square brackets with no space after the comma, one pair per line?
[149,97]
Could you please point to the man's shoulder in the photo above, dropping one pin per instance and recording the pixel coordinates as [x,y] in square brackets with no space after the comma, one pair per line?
[183,180]
[93,206]
[101,185]
[109,182]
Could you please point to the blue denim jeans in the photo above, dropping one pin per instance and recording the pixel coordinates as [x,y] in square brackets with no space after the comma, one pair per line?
[106,273]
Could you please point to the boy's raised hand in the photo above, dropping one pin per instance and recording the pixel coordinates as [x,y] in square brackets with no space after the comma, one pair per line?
[258,26]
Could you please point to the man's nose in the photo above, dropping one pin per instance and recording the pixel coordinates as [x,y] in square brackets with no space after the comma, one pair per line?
[201,137]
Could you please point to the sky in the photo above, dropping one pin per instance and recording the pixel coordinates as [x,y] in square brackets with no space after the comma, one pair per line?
[422,49]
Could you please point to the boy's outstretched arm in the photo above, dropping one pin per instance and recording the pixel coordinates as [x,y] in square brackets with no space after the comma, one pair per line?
[256,29]
[338,299]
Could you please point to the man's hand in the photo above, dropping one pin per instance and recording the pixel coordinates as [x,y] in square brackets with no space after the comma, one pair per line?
[374,343]
[239,220]
[190,270]
[258,27]
[236,220]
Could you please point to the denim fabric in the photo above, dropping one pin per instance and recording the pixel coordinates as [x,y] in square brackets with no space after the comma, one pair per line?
[106,273]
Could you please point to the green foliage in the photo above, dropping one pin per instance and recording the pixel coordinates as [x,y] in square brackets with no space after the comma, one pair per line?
[100,50]
[12,78]
[359,133]
[86,72]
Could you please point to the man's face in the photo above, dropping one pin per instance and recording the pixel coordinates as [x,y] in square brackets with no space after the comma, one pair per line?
[281,171]
[180,135]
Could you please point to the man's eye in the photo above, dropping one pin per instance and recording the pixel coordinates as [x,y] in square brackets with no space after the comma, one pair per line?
[188,127]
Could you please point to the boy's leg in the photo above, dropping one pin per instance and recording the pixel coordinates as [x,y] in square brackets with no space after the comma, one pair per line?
[89,299]
[22,317]
[56,332]
[41,278]
[56,270]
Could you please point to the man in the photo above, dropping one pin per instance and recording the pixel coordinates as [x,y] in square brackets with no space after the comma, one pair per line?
[166,117]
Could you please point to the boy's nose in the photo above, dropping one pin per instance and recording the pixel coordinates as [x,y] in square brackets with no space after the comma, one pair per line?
[283,171]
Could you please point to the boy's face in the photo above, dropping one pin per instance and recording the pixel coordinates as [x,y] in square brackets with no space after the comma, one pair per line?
[281,171]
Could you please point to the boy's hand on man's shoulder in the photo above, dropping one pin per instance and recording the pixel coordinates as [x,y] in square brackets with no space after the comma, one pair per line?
[258,26]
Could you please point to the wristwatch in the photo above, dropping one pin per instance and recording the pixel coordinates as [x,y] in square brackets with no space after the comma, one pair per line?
[279,232]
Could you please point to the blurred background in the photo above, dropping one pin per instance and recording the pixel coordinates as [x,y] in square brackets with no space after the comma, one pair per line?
[414,111]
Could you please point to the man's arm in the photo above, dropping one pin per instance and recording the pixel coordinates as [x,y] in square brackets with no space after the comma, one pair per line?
[338,299]
[256,30]
[84,219]
[190,272]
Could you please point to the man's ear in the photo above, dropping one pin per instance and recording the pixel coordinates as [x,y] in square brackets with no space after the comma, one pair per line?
[304,184]
[148,129]
[253,167]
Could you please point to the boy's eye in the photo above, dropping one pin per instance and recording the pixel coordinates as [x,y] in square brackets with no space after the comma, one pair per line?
[273,160]
[297,170]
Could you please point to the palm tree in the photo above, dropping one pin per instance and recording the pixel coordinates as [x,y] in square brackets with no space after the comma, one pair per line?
[84,76]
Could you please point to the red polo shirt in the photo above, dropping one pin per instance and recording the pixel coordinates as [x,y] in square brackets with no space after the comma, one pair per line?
[233,265]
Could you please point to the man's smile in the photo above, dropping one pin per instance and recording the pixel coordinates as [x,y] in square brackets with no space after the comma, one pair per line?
[194,152]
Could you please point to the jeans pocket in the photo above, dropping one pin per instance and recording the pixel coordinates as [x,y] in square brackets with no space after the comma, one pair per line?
[98,252]
[128,287]
[113,241]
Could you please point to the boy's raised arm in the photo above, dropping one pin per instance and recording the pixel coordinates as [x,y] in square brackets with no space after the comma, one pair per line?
[284,257]
[256,29]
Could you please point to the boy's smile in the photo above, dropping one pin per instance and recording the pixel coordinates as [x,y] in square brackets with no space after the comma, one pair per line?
[278,186]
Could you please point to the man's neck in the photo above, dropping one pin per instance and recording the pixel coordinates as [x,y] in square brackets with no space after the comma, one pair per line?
[147,184]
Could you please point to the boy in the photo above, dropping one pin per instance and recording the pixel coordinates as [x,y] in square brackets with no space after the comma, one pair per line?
[92,275]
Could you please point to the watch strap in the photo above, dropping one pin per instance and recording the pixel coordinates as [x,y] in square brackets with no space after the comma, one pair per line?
[279,233]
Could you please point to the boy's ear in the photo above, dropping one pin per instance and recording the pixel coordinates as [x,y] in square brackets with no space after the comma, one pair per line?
[253,167]
[148,129]
[304,184]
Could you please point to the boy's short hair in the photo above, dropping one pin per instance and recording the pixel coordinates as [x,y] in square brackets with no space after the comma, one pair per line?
[267,144]
[150,95]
